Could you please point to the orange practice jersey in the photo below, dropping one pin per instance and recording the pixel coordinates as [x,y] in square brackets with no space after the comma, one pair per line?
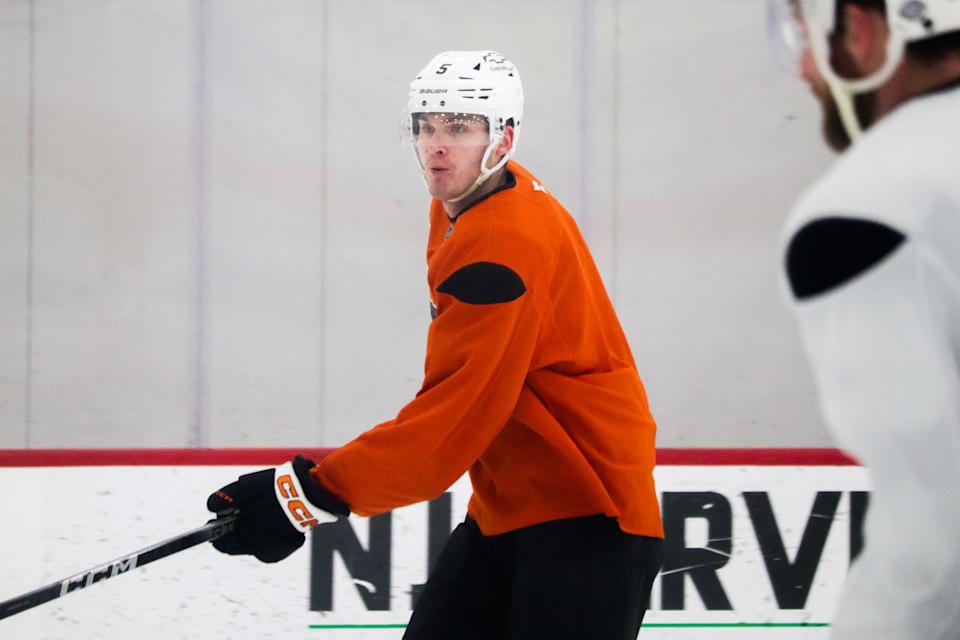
[529,382]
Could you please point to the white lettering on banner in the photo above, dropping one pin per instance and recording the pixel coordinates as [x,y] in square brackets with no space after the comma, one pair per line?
[750,546]
[744,545]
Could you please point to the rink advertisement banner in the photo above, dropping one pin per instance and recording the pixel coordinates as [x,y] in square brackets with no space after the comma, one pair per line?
[755,548]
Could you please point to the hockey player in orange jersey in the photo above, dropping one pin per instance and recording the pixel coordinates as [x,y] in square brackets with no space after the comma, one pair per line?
[529,386]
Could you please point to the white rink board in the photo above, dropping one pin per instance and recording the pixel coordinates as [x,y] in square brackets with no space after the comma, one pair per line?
[60,521]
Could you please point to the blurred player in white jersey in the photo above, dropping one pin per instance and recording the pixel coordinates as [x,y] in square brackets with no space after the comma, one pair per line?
[872,264]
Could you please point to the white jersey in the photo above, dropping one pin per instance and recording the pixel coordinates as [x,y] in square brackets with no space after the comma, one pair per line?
[872,258]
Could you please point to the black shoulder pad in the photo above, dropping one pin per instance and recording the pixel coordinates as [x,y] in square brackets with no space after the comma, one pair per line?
[484,283]
[829,252]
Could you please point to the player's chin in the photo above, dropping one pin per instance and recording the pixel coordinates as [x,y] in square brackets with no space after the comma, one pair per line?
[442,189]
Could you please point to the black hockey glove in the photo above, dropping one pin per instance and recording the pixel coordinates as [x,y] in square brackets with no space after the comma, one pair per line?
[276,506]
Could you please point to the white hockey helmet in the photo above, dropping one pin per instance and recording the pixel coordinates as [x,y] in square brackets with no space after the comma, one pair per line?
[909,21]
[480,83]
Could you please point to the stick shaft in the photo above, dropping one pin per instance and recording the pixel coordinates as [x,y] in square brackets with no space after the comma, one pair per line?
[210,531]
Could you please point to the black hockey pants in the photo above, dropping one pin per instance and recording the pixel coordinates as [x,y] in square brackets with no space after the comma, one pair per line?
[576,579]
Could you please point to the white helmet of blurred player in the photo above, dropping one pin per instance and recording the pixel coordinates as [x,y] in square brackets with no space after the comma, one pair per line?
[479,83]
[908,20]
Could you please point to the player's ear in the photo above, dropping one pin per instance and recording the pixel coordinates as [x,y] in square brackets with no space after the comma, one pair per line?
[506,142]
[864,36]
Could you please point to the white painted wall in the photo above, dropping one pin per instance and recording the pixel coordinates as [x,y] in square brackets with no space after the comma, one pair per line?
[15,224]
[211,235]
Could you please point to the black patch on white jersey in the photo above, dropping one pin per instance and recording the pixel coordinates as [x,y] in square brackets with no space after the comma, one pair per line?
[484,283]
[830,252]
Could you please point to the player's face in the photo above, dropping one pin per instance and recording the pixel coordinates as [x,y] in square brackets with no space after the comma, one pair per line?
[790,41]
[451,147]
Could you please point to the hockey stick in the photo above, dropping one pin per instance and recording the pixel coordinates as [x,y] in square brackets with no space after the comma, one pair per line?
[210,531]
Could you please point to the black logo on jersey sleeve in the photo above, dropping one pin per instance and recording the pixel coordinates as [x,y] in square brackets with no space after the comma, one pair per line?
[484,283]
[830,252]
